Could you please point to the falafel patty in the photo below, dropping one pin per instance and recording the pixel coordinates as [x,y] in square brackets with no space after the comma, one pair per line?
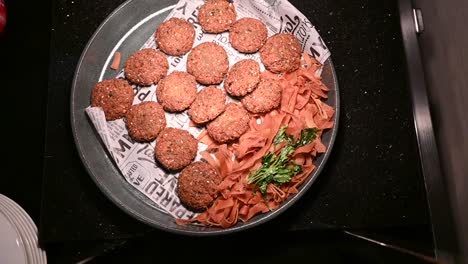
[145,121]
[197,185]
[230,125]
[248,35]
[114,96]
[208,62]
[146,67]
[175,36]
[265,98]
[175,148]
[243,78]
[281,53]
[209,103]
[216,16]
[177,91]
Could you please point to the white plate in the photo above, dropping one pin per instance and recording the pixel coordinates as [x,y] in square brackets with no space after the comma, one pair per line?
[41,254]
[29,230]
[29,234]
[12,250]
[27,227]
[26,235]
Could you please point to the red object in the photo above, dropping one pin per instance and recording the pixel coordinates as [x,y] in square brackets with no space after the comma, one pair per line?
[2,15]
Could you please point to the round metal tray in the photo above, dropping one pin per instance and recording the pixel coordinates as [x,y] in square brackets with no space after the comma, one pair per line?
[127,29]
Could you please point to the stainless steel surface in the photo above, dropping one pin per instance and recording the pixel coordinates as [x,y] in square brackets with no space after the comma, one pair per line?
[138,19]
[443,224]
[444,50]
[399,249]
[418,20]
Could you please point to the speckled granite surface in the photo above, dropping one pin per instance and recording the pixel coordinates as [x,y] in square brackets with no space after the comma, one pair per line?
[372,179]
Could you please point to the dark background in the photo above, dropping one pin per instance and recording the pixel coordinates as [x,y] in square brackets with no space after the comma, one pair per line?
[79,222]
[24,60]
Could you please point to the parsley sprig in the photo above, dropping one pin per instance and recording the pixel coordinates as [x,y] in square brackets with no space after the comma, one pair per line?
[279,169]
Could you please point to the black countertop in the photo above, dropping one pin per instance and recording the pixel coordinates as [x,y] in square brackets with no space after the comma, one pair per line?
[372,180]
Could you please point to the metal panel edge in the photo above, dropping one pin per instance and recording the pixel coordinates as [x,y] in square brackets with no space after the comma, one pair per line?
[442,223]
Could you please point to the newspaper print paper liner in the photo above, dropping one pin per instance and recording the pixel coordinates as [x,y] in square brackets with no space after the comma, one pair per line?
[136,160]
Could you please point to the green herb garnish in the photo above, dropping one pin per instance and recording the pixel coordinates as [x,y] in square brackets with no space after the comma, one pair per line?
[279,169]
[282,136]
